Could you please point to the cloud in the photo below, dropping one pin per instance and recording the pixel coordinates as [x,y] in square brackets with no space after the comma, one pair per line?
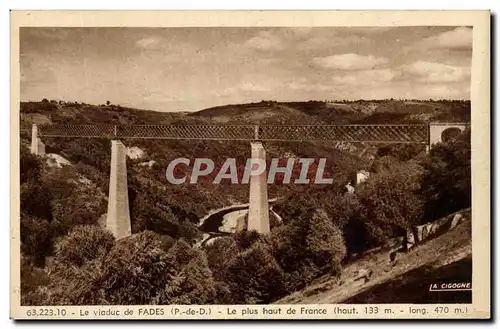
[265,40]
[322,42]
[423,71]
[37,70]
[349,62]
[459,38]
[248,86]
[300,31]
[366,77]
[52,33]
[444,91]
[370,30]
[148,43]
[305,85]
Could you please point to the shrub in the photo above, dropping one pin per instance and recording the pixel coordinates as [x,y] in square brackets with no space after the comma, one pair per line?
[402,152]
[446,181]
[383,164]
[134,271]
[189,231]
[245,239]
[30,167]
[36,238]
[288,246]
[72,203]
[137,271]
[342,209]
[325,240]
[308,246]
[83,244]
[147,216]
[101,180]
[167,242]
[196,285]
[69,213]
[90,269]
[254,276]
[36,199]
[76,285]
[33,283]
[181,253]
[77,268]
[218,253]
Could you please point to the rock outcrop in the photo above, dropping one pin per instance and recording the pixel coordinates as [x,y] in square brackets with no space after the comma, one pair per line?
[423,232]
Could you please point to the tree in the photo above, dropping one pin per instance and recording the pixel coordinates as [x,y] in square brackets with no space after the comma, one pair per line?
[308,245]
[218,253]
[196,285]
[148,216]
[78,267]
[325,241]
[390,202]
[108,103]
[30,166]
[36,200]
[33,283]
[446,181]
[254,277]
[83,244]
[137,271]
[36,238]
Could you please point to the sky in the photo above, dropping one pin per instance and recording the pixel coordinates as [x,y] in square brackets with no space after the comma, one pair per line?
[189,69]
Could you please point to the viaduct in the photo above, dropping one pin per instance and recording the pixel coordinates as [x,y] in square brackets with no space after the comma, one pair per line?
[118,215]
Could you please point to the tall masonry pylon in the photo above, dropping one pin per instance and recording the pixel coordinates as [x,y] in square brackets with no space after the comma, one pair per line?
[37,146]
[258,213]
[118,217]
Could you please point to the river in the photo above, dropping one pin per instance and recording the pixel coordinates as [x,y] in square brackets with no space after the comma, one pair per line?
[223,221]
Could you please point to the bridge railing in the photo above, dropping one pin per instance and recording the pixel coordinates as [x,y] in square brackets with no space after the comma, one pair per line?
[348,133]
[367,133]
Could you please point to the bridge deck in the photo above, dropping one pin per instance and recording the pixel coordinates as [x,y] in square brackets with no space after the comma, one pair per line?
[366,133]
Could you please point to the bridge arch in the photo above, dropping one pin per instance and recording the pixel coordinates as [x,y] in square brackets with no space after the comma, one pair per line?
[444,131]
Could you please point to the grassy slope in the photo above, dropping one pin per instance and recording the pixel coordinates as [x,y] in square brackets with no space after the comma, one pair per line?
[316,112]
[312,112]
[444,258]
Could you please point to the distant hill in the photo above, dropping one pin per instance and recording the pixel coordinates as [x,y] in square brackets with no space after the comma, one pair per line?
[319,112]
[265,112]
[81,113]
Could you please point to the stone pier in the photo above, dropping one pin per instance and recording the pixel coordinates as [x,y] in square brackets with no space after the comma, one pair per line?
[118,216]
[258,213]
[37,146]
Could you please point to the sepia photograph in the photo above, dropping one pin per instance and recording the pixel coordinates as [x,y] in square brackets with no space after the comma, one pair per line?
[249,165]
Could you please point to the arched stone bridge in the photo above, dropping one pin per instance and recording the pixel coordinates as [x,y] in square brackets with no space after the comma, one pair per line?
[443,131]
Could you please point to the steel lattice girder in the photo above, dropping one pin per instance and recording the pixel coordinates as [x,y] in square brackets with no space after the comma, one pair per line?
[369,133]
